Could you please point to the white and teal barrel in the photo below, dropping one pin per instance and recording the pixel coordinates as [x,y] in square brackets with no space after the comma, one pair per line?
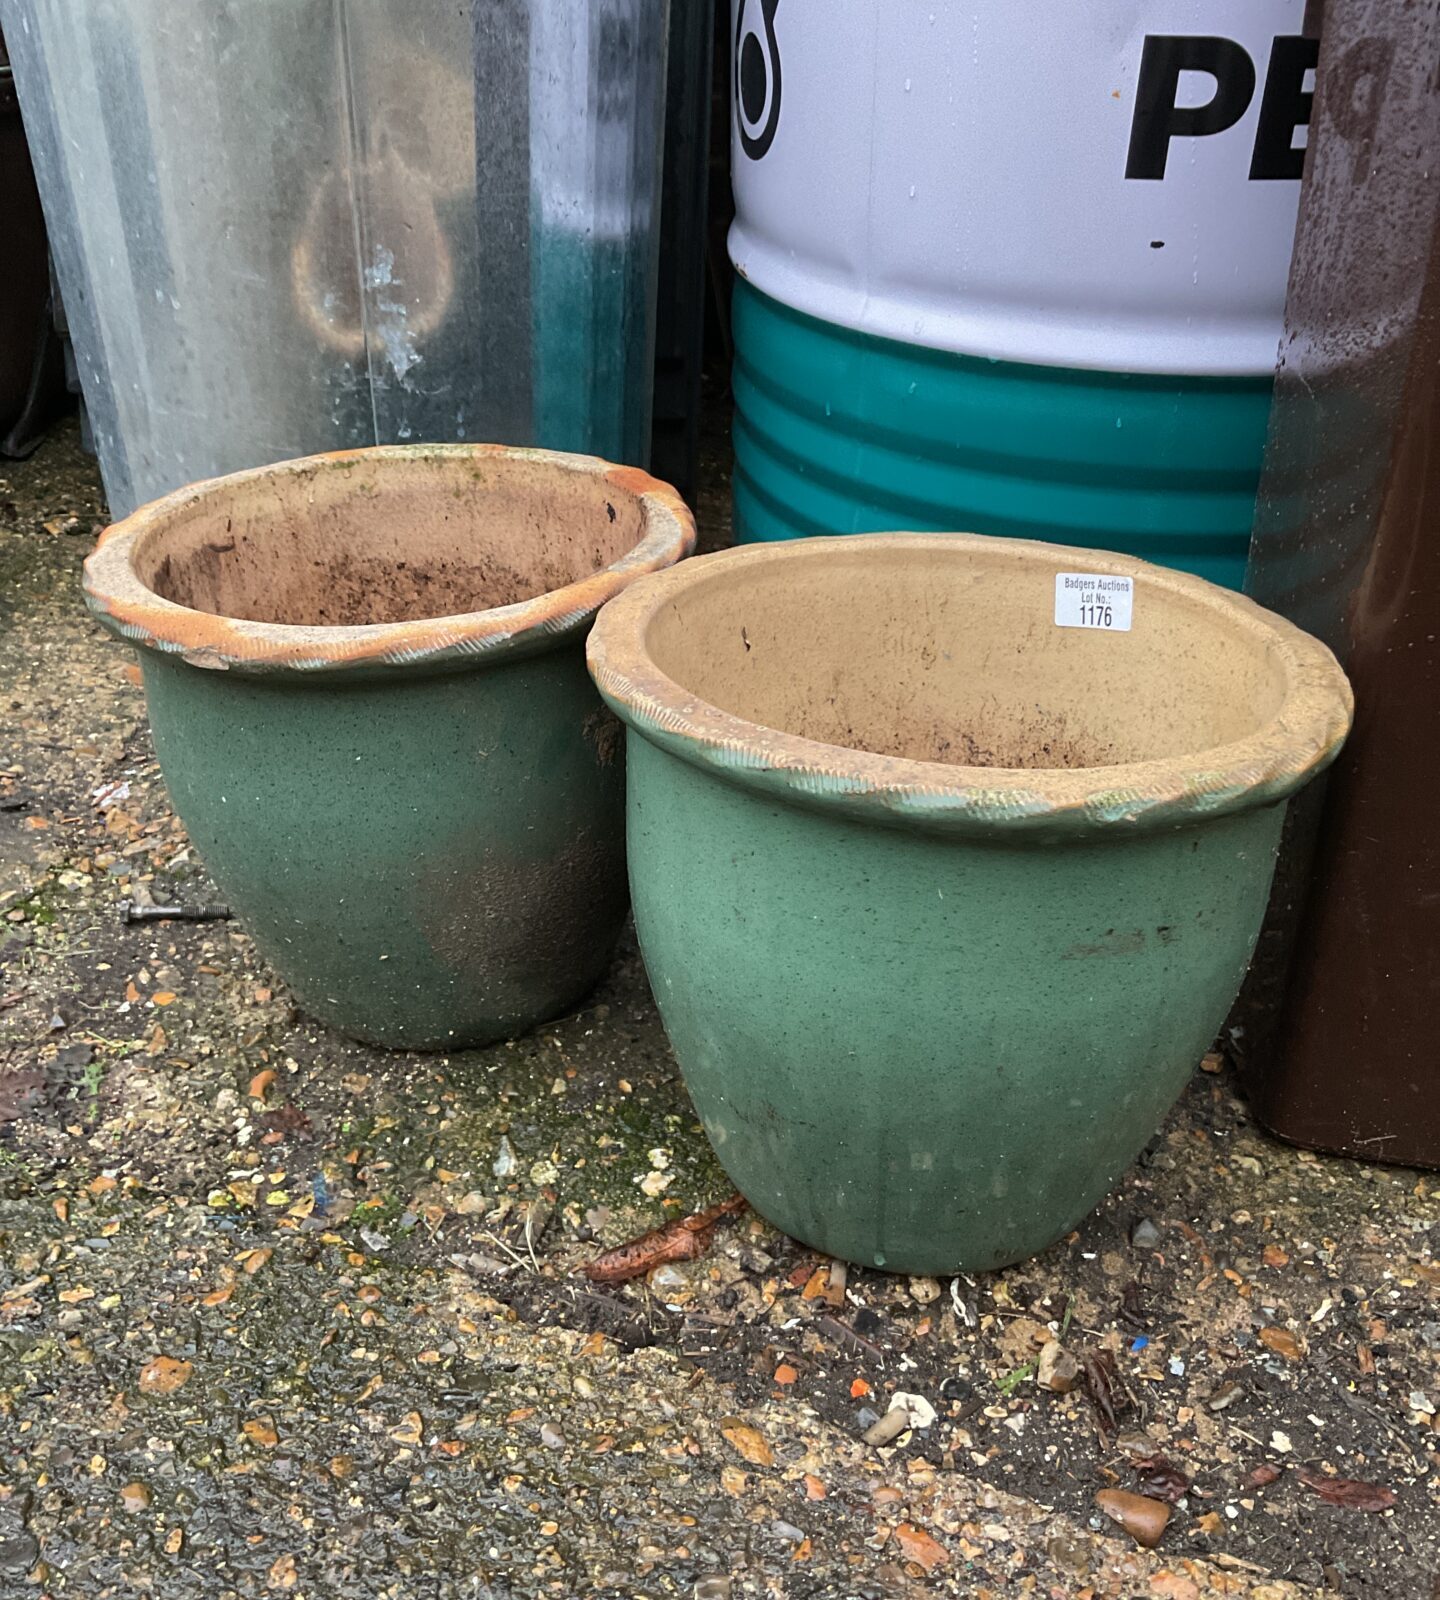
[1013,268]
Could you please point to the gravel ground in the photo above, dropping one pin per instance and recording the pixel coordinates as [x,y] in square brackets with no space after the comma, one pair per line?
[280,1314]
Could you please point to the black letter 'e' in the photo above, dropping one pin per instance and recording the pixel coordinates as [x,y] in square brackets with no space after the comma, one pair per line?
[1284,107]
[1158,119]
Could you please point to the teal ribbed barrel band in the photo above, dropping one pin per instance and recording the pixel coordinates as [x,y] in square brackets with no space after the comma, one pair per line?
[841,432]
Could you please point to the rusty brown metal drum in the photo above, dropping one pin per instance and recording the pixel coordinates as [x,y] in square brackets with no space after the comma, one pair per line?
[1338,1041]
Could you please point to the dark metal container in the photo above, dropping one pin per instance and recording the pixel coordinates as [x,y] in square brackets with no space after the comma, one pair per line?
[31,364]
[684,216]
[1338,1045]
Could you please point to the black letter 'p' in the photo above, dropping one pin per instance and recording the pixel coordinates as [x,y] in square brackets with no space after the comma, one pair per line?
[1158,119]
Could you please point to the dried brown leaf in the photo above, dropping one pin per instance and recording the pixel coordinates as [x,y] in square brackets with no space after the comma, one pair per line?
[1102,1388]
[1282,1342]
[289,1120]
[1161,1478]
[681,1240]
[1350,1493]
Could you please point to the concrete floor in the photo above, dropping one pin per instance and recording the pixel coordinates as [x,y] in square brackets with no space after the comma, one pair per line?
[271,1323]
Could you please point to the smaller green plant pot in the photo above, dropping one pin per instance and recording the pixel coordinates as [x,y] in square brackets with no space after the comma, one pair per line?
[942,900]
[366,684]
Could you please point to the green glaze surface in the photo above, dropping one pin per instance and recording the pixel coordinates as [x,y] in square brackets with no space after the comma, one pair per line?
[366,681]
[928,1009]
[919,1051]
[432,860]
[841,432]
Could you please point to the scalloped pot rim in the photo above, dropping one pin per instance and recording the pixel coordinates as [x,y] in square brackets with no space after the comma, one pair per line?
[132,609]
[1302,737]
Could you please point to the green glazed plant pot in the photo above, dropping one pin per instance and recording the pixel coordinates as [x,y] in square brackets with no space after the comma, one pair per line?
[941,900]
[366,683]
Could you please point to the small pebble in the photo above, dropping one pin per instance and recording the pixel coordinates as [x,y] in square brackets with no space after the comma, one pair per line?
[1071,1555]
[19,1554]
[1226,1395]
[505,1162]
[1141,1517]
[888,1428]
[1058,1371]
[1145,1235]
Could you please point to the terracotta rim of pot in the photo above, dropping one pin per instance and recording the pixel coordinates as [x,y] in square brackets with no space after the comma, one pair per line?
[129,606]
[1300,739]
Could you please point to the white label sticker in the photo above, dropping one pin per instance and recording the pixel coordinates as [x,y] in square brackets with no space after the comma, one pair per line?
[1090,600]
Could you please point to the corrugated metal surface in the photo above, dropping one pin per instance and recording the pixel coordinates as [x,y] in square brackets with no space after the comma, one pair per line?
[282,229]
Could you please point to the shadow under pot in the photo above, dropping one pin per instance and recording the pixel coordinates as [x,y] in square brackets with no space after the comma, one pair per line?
[944,885]
[366,684]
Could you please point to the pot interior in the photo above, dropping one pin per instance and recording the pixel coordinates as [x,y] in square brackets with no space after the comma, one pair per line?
[346,541]
[947,651]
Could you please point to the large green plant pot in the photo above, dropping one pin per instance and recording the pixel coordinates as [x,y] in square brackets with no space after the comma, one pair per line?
[942,901]
[367,687]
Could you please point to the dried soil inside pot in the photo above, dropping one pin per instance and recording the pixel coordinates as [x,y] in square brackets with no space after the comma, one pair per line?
[323,550]
[893,659]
